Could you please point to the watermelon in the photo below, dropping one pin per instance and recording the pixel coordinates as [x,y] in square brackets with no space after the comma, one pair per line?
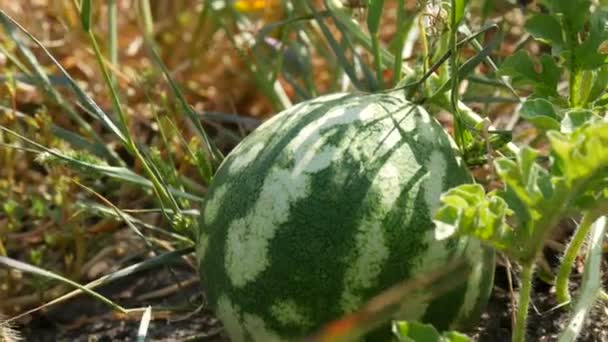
[324,206]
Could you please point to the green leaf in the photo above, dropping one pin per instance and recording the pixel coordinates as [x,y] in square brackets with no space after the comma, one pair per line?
[593,52]
[546,28]
[537,199]
[576,118]
[466,210]
[529,181]
[406,331]
[600,83]
[541,113]
[420,332]
[522,70]
[574,12]
[534,199]
[582,155]
[454,336]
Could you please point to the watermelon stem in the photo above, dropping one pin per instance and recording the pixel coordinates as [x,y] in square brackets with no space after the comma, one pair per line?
[572,251]
[519,331]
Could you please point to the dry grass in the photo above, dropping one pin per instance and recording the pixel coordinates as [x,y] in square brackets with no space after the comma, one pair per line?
[45,218]
[7,333]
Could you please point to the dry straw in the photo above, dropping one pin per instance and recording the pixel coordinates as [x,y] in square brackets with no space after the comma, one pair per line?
[7,332]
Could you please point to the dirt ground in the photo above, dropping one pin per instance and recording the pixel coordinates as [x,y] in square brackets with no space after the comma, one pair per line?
[85,319]
[544,321]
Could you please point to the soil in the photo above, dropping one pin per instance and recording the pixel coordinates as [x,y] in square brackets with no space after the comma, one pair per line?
[86,319]
[545,319]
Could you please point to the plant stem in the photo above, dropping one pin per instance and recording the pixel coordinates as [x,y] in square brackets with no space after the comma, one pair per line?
[113,35]
[424,44]
[576,76]
[572,251]
[576,80]
[468,115]
[377,61]
[374,18]
[2,249]
[403,27]
[146,14]
[519,331]
[591,283]
[159,187]
[453,67]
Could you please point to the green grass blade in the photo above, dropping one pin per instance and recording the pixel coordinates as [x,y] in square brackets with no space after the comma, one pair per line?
[160,260]
[358,60]
[204,168]
[122,216]
[201,24]
[504,81]
[129,223]
[273,90]
[472,62]
[106,211]
[146,14]
[361,37]
[75,140]
[85,14]
[339,52]
[128,141]
[461,135]
[78,141]
[47,85]
[457,11]
[113,35]
[469,65]
[214,152]
[115,172]
[404,23]
[14,60]
[160,188]
[373,25]
[31,80]
[83,98]
[27,268]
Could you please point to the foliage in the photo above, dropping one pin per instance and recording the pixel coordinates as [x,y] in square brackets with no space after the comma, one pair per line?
[541,189]
[418,332]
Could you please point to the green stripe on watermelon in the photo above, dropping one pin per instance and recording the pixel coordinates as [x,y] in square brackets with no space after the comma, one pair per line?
[324,206]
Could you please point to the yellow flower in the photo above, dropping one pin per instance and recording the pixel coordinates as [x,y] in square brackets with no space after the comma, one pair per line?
[251,5]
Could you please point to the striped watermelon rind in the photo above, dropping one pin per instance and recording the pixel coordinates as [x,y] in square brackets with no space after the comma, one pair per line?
[327,204]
